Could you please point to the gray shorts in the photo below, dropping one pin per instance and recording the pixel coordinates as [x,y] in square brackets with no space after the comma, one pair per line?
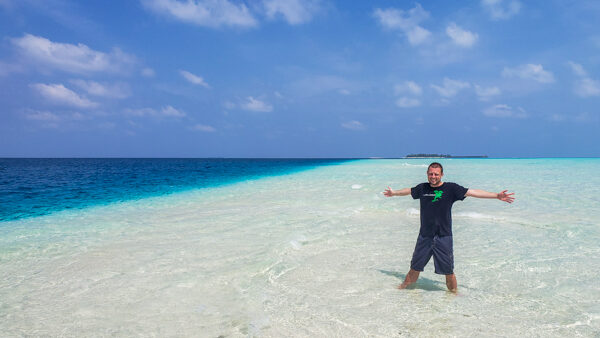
[438,247]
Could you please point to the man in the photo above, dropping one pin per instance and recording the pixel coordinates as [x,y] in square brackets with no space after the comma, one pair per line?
[435,235]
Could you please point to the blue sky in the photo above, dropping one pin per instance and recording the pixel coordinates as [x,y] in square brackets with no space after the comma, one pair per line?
[291,78]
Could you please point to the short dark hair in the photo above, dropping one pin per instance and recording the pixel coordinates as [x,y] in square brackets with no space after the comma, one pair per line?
[436,165]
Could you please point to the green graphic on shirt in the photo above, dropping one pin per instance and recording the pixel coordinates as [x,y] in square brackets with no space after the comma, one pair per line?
[438,195]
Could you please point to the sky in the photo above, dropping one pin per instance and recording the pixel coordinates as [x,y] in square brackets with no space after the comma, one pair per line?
[293,78]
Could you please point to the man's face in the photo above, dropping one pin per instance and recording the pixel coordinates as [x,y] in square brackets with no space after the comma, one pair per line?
[434,176]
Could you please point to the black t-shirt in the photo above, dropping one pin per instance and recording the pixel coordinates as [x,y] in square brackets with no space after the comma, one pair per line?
[436,204]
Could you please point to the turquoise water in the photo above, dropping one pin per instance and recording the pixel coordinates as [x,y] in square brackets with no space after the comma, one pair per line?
[39,186]
[314,253]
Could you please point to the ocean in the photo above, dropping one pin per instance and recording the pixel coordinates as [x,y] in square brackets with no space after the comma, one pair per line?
[272,248]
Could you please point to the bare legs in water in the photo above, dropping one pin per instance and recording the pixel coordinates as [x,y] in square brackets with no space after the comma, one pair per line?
[413,275]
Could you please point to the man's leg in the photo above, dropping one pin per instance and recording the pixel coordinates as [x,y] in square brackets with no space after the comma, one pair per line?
[443,258]
[451,283]
[411,277]
[421,255]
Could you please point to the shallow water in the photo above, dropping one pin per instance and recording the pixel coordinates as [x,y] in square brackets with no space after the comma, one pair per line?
[314,253]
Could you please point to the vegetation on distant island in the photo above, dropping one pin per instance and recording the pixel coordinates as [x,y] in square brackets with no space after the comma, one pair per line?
[427,155]
[443,156]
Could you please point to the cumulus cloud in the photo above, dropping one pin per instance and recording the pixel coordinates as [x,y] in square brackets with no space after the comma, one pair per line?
[529,72]
[405,21]
[293,11]
[503,110]
[167,111]
[192,78]
[417,35]
[584,86]
[59,94]
[408,87]
[207,13]
[353,125]
[485,94]
[203,128]
[68,57]
[450,87]
[253,104]
[460,36]
[116,90]
[408,102]
[501,9]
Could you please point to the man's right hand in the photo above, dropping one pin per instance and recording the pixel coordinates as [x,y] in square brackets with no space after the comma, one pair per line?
[388,192]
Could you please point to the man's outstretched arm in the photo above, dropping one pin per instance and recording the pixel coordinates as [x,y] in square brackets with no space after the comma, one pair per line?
[402,192]
[503,196]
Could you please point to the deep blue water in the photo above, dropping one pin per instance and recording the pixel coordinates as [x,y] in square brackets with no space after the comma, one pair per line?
[34,187]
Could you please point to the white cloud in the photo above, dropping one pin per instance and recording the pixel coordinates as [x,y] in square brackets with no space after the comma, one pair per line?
[37,115]
[577,69]
[503,110]
[407,102]
[207,13]
[450,87]
[70,58]
[116,90]
[167,111]
[293,11]
[203,128]
[417,35]
[529,72]
[59,94]
[148,72]
[501,9]
[353,125]
[253,104]
[460,36]
[584,117]
[485,94]
[585,86]
[392,18]
[192,78]
[408,87]
[344,92]
[49,119]
[405,21]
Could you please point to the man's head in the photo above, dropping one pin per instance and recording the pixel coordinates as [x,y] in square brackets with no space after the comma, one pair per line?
[435,171]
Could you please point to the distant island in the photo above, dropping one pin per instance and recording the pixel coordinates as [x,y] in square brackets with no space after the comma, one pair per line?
[442,156]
